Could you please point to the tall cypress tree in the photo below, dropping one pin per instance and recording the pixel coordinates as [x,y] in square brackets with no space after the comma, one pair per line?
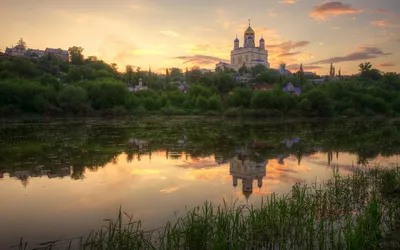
[301,75]
[167,80]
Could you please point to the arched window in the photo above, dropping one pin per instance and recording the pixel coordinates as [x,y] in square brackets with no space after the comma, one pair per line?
[247,58]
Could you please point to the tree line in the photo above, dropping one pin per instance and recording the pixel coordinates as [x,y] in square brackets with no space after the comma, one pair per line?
[89,86]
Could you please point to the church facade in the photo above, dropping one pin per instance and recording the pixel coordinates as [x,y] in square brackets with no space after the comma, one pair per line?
[248,55]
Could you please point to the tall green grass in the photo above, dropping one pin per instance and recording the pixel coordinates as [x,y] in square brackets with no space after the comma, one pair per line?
[358,211]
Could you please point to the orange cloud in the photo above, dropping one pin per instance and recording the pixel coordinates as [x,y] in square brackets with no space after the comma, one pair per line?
[200,60]
[382,10]
[364,53]
[381,23]
[288,1]
[170,189]
[322,11]
[388,64]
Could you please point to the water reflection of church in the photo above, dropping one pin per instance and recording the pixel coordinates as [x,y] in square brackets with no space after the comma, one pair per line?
[248,167]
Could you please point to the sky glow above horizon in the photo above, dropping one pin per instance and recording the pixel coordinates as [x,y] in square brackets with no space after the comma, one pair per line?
[176,33]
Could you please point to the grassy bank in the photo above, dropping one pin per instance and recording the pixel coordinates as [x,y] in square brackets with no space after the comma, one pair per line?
[359,211]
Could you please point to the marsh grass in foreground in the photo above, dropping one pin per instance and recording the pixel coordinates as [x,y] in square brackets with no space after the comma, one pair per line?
[358,211]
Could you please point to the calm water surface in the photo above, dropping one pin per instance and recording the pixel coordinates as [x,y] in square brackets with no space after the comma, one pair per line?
[62,178]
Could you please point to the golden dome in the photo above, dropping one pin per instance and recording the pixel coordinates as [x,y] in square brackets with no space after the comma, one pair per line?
[249,31]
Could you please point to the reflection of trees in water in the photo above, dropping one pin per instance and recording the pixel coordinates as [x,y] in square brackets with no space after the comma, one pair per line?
[89,146]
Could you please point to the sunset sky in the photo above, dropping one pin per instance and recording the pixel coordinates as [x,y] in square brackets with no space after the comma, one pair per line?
[183,33]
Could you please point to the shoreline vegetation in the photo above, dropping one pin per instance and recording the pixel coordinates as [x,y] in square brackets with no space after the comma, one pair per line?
[358,211]
[85,87]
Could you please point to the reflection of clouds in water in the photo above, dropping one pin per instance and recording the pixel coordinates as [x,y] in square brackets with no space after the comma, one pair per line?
[207,174]
[170,189]
[145,171]
[199,163]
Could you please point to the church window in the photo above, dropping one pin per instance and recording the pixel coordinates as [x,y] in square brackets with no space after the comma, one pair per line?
[247,58]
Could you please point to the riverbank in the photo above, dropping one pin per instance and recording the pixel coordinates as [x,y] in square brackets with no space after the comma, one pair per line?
[358,211]
[172,111]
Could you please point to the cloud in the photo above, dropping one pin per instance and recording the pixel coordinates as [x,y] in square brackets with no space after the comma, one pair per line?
[288,1]
[364,53]
[170,189]
[322,11]
[296,67]
[289,45]
[381,23]
[169,33]
[290,54]
[382,10]
[281,51]
[200,59]
[388,64]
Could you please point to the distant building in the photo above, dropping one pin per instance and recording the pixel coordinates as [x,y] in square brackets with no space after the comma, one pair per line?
[18,50]
[283,70]
[249,55]
[222,65]
[34,53]
[140,86]
[204,71]
[63,54]
[291,89]
[317,81]
[183,88]
[307,73]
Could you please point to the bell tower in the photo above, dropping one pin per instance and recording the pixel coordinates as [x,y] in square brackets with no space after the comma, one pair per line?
[249,35]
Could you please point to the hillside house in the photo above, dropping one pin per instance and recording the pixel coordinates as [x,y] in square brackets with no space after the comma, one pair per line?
[291,89]
[63,54]
[18,50]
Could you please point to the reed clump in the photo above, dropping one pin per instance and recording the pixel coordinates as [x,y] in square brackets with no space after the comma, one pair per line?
[358,211]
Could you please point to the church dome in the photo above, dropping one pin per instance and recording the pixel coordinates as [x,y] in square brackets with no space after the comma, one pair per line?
[249,31]
[236,40]
[262,39]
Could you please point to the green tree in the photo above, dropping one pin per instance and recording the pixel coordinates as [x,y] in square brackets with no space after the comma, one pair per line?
[129,74]
[301,76]
[195,74]
[176,74]
[258,69]
[364,67]
[22,43]
[201,103]
[114,68]
[72,99]
[243,70]
[76,55]
[214,103]
[167,77]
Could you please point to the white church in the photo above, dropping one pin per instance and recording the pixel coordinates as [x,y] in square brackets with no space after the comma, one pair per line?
[248,55]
